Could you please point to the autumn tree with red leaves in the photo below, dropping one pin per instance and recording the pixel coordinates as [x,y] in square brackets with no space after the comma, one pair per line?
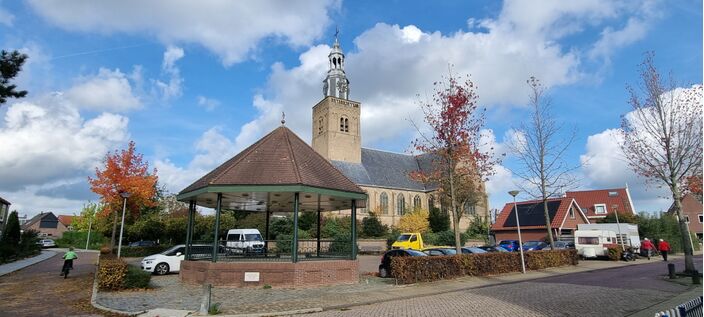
[124,171]
[452,137]
[663,138]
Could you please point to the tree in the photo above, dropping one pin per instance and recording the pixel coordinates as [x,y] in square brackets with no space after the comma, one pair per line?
[10,66]
[372,227]
[438,220]
[124,171]
[414,221]
[694,185]
[540,148]
[86,217]
[11,235]
[623,217]
[454,123]
[662,137]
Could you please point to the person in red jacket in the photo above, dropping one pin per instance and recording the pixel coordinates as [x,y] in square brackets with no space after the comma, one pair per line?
[647,247]
[664,248]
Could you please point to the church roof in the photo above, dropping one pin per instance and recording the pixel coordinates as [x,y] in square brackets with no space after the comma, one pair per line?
[387,169]
[279,158]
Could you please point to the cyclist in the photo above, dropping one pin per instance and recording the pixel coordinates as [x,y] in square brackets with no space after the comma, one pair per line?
[68,260]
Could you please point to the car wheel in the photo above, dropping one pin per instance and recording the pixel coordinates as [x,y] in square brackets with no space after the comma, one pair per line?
[383,272]
[161,269]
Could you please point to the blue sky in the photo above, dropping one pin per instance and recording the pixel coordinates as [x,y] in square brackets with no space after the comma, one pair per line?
[192,84]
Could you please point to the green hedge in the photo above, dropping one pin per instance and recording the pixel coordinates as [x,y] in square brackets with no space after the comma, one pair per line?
[138,252]
[136,278]
[77,239]
[432,268]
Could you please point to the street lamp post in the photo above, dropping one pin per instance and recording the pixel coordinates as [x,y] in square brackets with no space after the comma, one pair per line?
[124,195]
[518,226]
[90,225]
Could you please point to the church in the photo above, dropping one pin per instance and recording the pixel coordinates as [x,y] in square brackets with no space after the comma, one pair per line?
[384,176]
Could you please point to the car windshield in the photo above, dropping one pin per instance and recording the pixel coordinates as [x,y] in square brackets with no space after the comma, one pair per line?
[172,250]
[415,253]
[475,250]
[531,244]
[403,237]
[253,237]
[500,249]
[507,242]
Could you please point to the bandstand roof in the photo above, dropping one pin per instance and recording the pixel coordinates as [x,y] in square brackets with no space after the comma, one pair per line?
[266,175]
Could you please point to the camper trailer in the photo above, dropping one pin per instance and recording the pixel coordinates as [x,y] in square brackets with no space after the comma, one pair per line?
[594,243]
[626,233]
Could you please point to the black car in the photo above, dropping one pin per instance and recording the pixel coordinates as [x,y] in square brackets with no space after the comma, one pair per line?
[385,266]
[145,243]
[493,248]
[472,250]
[439,251]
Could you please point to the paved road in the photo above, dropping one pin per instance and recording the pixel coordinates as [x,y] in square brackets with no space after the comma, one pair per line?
[38,290]
[611,292]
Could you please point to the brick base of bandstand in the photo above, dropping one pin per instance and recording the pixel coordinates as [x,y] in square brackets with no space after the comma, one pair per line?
[276,274]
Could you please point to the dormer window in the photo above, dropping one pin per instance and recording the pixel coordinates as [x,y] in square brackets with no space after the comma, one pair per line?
[600,209]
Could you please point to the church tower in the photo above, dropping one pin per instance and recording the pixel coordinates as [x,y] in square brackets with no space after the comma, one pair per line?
[336,129]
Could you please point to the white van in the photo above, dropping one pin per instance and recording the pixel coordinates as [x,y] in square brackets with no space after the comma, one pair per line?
[593,243]
[244,240]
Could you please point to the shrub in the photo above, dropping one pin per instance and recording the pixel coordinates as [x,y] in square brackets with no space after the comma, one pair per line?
[424,269]
[615,253]
[28,243]
[438,220]
[335,226]
[341,245]
[443,238]
[415,221]
[136,278]
[284,242]
[372,227]
[391,237]
[77,239]
[111,273]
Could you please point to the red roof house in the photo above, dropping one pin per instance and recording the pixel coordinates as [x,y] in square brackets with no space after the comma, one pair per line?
[564,212]
[66,220]
[599,203]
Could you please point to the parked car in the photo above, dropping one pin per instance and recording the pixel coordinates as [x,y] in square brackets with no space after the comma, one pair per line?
[534,245]
[46,243]
[170,260]
[385,266]
[145,243]
[510,245]
[440,251]
[561,245]
[472,250]
[493,248]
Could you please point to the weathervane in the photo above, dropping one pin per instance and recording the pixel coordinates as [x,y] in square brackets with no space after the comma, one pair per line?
[283,118]
[337,31]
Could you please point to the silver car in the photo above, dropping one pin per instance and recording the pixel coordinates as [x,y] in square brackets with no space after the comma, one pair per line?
[46,243]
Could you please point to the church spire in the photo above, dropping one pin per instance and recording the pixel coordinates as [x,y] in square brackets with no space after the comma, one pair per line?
[336,83]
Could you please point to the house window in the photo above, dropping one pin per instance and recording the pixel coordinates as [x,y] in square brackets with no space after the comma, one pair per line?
[613,194]
[416,202]
[384,203]
[686,218]
[572,212]
[400,205]
[600,209]
[700,218]
[469,209]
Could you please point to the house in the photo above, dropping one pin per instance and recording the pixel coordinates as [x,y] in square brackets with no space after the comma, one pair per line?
[4,213]
[565,214]
[599,203]
[384,176]
[66,220]
[692,212]
[46,224]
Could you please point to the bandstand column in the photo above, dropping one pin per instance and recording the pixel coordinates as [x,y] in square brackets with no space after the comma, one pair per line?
[294,249]
[218,206]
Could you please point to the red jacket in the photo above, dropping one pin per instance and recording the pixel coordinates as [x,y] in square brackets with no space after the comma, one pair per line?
[663,246]
[647,245]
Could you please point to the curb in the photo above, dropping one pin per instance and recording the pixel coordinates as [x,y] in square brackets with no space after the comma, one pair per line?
[44,255]
[279,313]
[94,301]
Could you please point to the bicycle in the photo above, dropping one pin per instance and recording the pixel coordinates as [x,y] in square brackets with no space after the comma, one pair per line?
[65,269]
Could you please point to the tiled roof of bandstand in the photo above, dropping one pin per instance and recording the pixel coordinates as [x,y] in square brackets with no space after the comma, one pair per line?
[387,170]
[279,158]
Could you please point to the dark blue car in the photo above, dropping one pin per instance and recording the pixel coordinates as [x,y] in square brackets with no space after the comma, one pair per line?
[510,245]
[534,245]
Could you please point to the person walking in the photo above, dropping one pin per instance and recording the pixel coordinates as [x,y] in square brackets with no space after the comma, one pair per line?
[647,247]
[664,248]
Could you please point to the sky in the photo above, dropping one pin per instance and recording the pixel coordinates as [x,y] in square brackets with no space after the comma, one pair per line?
[193,83]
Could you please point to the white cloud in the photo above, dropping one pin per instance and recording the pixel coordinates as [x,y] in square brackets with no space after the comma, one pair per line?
[208,103]
[48,140]
[107,91]
[231,29]
[172,88]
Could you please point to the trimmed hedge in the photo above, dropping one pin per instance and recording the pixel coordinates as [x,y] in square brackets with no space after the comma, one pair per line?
[114,274]
[432,268]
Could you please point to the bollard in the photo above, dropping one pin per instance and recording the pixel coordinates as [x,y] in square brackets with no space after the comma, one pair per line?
[671,270]
[696,279]
[205,300]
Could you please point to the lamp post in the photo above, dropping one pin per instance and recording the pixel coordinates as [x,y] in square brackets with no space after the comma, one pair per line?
[124,195]
[90,225]
[518,225]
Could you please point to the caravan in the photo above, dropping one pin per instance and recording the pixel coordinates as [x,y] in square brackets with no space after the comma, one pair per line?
[594,243]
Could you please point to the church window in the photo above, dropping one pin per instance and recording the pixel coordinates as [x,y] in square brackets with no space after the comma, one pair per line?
[344,125]
[469,209]
[347,127]
[384,203]
[320,125]
[416,202]
[431,202]
[400,205]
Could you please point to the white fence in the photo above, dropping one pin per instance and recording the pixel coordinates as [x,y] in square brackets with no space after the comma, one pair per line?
[691,308]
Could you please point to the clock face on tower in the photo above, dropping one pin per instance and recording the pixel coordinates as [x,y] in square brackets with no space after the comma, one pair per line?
[342,87]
